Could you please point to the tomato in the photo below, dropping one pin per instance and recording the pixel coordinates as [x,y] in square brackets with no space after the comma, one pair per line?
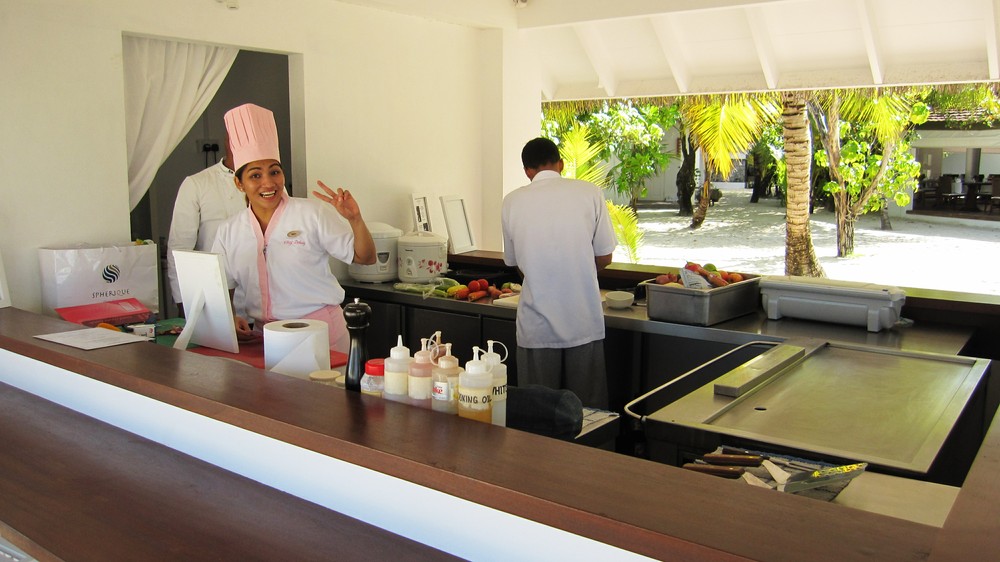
[474,286]
[692,266]
[483,284]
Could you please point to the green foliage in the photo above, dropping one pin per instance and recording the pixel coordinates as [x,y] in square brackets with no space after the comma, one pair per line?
[727,125]
[861,156]
[965,106]
[626,225]
[580,155]
[633,134]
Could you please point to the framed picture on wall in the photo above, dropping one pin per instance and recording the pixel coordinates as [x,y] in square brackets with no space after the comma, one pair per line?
[4,287]
[457,220]
[421,214]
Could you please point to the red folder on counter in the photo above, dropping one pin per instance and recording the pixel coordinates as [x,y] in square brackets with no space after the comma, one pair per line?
[118,313]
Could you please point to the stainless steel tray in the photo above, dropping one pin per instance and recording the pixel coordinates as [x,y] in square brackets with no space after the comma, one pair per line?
[887,407]
[701,307]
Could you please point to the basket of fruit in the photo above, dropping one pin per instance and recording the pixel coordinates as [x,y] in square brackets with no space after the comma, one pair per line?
[701,295]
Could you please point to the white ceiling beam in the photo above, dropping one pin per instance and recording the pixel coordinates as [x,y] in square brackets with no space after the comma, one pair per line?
[668,34]
[992,35]
[762,43]
[549,13]
[868,25]
[597,52]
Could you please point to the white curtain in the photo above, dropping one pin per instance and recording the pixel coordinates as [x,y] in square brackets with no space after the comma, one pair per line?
[167,87]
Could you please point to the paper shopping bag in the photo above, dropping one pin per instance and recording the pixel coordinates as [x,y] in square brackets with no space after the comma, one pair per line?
[88,274]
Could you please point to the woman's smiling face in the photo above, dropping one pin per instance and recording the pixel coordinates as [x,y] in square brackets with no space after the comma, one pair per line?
[262,181]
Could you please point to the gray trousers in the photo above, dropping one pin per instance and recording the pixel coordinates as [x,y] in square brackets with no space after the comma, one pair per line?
[579,369]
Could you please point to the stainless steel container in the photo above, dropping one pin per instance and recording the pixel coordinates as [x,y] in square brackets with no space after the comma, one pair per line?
[701,307]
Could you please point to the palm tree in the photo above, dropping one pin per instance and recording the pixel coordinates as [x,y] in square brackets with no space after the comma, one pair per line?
[722,126]
[800,254]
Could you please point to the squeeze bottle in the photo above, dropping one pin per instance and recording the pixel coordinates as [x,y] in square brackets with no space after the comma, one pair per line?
[498,396]
[444,377]
[474,388]
[419,379]
[397,370]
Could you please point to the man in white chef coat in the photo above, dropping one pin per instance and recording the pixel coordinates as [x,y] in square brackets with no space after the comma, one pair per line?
[558,233]
[204,201]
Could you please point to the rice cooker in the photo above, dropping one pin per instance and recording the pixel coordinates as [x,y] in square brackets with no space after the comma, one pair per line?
[422,257]
[384,269]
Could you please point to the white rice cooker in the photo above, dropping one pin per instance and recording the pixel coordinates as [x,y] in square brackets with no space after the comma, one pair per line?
[384,269]
[422,257]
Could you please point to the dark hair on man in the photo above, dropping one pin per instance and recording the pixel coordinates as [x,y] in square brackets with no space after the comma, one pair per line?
[539,152]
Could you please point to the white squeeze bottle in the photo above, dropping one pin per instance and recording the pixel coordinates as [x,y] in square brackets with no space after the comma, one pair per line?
[498,396]
[397,370]
[444,377]
[419,380]
[474,388]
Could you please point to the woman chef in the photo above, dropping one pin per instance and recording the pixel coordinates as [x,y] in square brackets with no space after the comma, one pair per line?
[277,251]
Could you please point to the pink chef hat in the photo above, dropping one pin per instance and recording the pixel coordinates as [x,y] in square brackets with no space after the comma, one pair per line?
[252,134]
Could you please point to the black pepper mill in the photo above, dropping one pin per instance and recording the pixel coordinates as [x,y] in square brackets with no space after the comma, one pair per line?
[357,315]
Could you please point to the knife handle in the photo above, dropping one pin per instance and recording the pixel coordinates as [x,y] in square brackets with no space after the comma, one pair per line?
[736,460]
[716,470]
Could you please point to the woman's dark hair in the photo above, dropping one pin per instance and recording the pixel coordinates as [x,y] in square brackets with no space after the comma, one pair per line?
[539,152]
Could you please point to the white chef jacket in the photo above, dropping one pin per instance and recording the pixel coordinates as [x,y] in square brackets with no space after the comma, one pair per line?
[286,270]
[204,201]
[553,228]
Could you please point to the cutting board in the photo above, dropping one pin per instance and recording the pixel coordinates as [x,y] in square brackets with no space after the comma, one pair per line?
[509,302]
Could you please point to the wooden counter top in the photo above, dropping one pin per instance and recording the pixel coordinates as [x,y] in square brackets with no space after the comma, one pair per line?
[644,507]
[74,488]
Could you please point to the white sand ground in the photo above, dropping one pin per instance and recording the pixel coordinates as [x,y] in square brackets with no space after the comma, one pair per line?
[750,237]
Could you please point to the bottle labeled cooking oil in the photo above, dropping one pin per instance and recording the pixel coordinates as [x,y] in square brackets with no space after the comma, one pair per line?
[475,386]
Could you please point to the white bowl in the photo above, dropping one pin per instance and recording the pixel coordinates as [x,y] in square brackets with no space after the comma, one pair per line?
[619,299]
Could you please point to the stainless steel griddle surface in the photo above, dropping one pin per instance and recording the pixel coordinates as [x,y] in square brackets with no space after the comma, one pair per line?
[868,404]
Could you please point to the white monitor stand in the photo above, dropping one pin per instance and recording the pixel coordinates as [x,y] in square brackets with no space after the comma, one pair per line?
[208,311]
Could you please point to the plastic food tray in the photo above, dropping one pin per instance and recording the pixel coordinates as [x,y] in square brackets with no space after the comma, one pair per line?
[701,307]
[828,300]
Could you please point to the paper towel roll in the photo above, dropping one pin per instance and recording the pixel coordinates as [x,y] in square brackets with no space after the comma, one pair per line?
[296,347]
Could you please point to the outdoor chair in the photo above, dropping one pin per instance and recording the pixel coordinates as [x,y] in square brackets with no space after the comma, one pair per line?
[934,193]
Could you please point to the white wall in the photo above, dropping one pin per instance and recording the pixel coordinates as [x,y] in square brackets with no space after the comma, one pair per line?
[385,104]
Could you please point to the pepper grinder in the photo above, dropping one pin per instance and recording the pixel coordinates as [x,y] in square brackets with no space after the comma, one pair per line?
[357,315]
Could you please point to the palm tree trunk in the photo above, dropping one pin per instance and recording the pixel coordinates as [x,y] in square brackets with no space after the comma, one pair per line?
[702,210]
[800,256]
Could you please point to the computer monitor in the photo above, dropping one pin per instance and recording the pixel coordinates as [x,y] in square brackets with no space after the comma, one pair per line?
[208,310]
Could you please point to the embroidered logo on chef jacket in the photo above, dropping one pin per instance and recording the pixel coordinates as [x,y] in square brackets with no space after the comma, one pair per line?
[292,238]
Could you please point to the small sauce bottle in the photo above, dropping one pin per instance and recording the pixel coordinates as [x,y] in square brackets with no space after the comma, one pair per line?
[475,386]
[419,380]
[445,377]
[498,397]
[397,370]
[373,381]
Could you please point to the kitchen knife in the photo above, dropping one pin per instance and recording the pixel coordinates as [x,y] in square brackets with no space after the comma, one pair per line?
[716,470]
[732,459]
